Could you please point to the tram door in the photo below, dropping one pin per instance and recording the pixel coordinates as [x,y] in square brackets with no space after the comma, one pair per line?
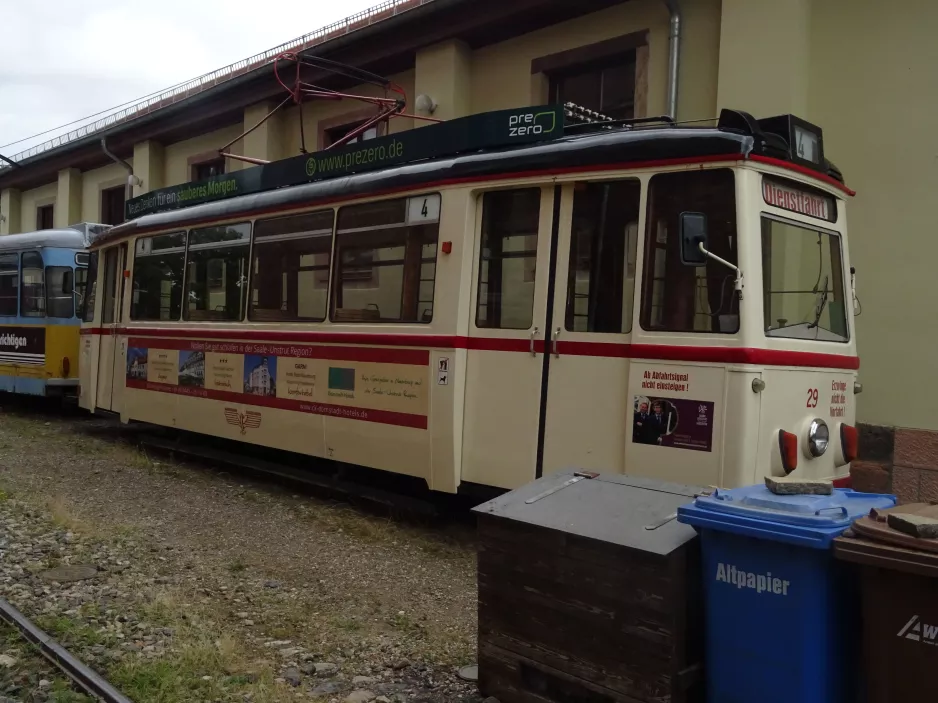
[547,365]
[587,410]
[505,356]
[110,356]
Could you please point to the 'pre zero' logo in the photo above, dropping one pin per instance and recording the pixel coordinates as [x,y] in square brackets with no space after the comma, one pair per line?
[529,123]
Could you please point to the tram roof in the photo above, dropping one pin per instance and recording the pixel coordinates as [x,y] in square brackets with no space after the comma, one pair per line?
[78,236]
[630,147]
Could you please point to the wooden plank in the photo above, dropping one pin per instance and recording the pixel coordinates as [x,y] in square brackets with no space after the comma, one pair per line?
[516,679]
[635,680]
[568,579]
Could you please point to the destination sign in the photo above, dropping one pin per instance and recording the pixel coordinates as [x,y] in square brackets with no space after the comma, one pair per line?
[795,200]
[466,134]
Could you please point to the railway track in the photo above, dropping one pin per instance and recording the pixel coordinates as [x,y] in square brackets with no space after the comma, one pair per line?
[83,677]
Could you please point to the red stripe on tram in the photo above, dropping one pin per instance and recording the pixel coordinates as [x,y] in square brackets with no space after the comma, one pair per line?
[384,417]
[240,341]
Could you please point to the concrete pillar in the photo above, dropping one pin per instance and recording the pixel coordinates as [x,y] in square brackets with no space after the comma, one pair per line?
[148,166]
[444,72]
[263,142]
[764,56]
[68,198]
[10,211]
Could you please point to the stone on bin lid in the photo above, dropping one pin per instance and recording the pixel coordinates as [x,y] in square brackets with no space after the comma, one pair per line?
[921,526]
[789,486]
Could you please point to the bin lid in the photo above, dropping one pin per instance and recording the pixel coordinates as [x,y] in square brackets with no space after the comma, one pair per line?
[860,549]
[628,511]
[806,520]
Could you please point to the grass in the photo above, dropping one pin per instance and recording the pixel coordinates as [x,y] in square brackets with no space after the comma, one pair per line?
[196,672]
[237,566]
[64,516]
[72,633]
[202,663]
[30,659]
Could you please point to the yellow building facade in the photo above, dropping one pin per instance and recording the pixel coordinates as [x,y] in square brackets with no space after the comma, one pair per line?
[860,69]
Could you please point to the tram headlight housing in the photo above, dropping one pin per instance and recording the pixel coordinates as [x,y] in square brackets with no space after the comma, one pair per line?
[819,437]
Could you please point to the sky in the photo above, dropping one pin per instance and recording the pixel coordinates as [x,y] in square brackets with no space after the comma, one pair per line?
[61,60]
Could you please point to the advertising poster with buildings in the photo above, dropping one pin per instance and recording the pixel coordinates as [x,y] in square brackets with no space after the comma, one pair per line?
[288,378]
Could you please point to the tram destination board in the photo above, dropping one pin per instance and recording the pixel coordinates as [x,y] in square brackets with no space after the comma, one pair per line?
[465,134]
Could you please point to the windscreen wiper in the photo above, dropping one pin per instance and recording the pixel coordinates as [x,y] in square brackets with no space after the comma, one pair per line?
[822,304]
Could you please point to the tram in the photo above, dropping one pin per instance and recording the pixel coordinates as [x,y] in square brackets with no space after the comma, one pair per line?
[490,299]
[42,277]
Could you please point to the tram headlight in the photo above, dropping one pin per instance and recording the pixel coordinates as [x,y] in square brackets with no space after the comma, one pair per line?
[819,437]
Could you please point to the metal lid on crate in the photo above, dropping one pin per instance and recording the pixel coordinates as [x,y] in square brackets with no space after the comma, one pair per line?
[628,511]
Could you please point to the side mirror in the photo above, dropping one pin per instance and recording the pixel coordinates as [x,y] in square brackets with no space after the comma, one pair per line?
[693,234]
[68,283]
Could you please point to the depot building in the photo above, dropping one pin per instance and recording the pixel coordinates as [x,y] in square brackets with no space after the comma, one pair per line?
[861,71]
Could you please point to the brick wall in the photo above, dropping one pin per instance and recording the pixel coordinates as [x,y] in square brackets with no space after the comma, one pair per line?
[897,460]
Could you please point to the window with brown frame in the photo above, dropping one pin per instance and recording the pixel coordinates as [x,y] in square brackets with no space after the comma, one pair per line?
[607,86]
[334,134]
[399,239]
[681,297]
[208,169]
[112,205]
[45,217]
[290,268]
[608,76]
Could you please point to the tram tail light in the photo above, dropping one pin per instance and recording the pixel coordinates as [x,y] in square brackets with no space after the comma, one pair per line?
[849,442]
[788,447]
[66,367]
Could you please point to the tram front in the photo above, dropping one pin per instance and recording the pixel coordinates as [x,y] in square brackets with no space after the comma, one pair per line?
[779,308]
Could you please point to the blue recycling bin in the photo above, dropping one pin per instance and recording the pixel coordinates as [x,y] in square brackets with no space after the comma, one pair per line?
[781,622]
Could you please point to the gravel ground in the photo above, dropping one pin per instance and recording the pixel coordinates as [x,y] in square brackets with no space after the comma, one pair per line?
[25,676]
[209,587]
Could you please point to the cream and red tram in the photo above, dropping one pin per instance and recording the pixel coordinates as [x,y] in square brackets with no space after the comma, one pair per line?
[664,301]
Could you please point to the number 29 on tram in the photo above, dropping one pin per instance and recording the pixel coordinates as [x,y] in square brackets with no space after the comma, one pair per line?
[666,301]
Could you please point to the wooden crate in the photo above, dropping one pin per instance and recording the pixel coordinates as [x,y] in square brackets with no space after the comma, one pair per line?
[579,602]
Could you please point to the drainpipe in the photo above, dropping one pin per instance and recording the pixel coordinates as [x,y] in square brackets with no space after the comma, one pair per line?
[132,180]
[674,57]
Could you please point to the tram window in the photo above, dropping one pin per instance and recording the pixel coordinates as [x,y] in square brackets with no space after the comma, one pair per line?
[385,261]
[603,245]
[677,297]
[803,283]
[157,280]
[111,262]
[90,288]
[217,272]
[32,288]
[81,283]
[9,284]
[60,292]
[290,268]
[510,220]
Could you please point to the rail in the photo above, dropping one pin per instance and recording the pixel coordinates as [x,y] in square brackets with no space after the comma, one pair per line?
[86,679]
[182,91]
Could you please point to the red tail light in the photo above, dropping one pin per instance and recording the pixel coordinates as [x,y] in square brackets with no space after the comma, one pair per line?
[66,367]
[849,442]
[788,446]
